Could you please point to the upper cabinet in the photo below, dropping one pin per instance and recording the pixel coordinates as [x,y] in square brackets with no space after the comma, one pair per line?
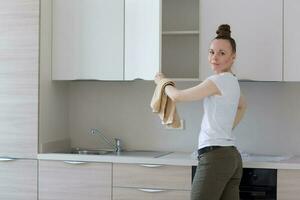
[162,35]
[142,39]
[134,39]
[19,61]
[125,39]
[88,39]
[291,40]
[257,28]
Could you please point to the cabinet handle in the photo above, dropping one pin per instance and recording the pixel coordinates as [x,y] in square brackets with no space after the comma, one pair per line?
[151,166]
[150,190]
[74,162]
[7,159]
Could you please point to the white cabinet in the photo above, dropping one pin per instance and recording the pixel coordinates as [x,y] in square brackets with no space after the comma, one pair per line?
[88,39]
[132,39]
[291,40]
[162,35]
[256,26]
[19,61]
[288,184]
[74,180]
[142,39]
[134,181]
[18,179]
[125,39]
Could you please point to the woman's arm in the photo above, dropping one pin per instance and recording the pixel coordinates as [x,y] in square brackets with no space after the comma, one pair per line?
[240,111]
[204,89]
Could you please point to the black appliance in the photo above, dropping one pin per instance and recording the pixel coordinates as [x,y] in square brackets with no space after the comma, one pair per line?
[256,183]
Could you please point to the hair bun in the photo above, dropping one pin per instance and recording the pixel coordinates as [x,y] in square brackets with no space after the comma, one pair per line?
[224,31]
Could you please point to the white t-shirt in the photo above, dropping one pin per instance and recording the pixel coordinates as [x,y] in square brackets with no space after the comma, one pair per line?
[219,112]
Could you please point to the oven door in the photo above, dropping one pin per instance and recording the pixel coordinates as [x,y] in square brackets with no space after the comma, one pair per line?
[257,193]
[258,184]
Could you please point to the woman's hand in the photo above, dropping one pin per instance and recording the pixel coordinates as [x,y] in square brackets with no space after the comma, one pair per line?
[158,77]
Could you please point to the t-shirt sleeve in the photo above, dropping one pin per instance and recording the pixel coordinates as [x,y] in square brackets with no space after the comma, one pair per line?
[220,82]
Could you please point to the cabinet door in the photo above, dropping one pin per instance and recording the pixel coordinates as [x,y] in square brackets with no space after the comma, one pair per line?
[256,27]
[88,39]
[288,184]
[291,40]
[18,179]
[142,39]
[19,57]
[149,194]
[60,180]
[152,176]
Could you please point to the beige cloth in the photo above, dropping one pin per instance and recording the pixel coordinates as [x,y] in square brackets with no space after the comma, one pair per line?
[164,106]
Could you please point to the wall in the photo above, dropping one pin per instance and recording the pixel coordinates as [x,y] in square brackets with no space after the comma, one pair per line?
[271,125]
[53,96]
[121,109]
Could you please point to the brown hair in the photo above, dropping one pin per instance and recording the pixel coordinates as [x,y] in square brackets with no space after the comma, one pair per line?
[224,33]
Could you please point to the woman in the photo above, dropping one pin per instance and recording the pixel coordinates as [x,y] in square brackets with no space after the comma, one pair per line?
[219,169]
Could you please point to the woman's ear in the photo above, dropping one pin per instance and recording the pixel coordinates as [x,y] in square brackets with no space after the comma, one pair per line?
[233,56]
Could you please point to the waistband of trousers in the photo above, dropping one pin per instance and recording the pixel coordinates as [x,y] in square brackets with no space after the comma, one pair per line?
[211,148]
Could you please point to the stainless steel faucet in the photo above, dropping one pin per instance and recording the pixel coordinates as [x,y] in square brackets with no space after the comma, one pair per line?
[117,142]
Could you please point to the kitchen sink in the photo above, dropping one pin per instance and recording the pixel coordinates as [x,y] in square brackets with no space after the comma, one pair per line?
[131,153]
[91,151]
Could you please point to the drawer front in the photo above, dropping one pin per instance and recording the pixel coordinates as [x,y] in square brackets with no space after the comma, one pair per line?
[70,180]
[149,194]
[18,179]
[152,176]
[288,184]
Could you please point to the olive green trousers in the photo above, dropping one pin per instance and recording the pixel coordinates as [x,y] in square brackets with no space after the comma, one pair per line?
[218,175]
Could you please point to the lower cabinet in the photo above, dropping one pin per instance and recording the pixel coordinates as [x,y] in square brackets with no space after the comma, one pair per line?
[120,193]
[288,184]
[18,179]
[73,180]
[147,181]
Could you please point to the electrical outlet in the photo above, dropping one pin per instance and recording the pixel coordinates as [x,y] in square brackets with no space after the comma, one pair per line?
[181,127]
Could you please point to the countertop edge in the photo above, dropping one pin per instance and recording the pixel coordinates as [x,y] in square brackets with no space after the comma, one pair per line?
[179,159]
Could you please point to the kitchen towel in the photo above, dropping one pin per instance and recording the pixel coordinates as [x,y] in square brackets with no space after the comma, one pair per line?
[164,106]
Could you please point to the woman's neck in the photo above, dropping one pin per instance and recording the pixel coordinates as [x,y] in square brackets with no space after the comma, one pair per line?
[225,71]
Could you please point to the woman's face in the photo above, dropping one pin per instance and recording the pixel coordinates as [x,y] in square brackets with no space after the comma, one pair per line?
[220,56]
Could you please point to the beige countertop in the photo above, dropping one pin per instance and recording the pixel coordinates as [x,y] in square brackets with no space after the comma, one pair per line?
[177,158]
